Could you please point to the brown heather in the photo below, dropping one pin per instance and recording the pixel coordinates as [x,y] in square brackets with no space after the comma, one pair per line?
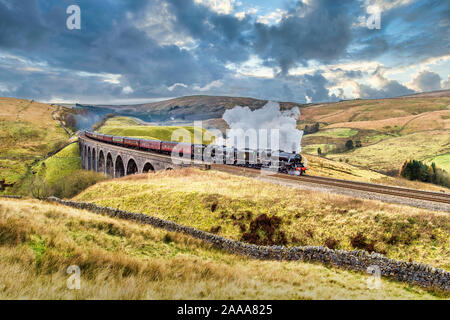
[123,260]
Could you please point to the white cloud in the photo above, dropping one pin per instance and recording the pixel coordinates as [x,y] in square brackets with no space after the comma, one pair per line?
[219,6]
[446,84]
[209,86]
[127,90]
[160,25]
[242,14]
[58,100]
[386,5]
[176,85]
[4,88]
[253,67]
[273,17]
[110,78]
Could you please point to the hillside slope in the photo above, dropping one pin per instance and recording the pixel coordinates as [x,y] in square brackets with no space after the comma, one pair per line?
[129,127]
[28,131]
[387,131]
[189,108]
[233,206]
[124,260]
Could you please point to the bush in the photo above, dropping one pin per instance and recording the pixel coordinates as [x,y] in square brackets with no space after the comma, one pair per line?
[359,241]
[331,243]
[311,129]
[349,145]
[265,230]
[417,170]
[167,238]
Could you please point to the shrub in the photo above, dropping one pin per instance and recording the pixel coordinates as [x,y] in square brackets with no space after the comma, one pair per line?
[265,230]
[331,243]
[215,229]
[349,145]
[417,170]
[167,238]
[359,241]
[311,129]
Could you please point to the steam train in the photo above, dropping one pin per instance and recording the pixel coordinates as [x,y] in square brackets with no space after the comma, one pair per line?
[284,162]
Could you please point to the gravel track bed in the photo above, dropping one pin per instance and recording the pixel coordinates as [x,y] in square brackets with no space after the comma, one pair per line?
[361,194]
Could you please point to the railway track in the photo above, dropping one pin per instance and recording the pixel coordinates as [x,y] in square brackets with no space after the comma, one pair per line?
[435,197]
[360,186]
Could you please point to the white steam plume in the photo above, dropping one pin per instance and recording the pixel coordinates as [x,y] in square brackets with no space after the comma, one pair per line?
[265,122]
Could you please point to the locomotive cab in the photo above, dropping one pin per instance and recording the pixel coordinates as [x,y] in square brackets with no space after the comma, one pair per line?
[300,168]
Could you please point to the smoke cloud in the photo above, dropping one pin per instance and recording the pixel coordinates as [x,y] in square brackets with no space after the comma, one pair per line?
[86,121]
[264,128]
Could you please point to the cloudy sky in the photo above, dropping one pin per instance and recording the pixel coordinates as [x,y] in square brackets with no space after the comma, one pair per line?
[131,51]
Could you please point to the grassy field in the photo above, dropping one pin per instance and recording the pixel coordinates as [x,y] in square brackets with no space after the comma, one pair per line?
[372,110]
[124,260]
[390,131]
[442,161]
[337,133]
[128,127]
[60,175]
[339,169]
[228,205]
[27,132]
[391,153]
[63,164]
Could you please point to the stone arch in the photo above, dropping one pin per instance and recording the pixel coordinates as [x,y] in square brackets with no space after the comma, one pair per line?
[148,167]
[85,156]
[101,162]
[132,167]
[94,160]
[89,159]
[109,165]
[119,167]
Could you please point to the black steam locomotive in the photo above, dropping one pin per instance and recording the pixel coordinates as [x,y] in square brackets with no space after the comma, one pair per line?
[280,161]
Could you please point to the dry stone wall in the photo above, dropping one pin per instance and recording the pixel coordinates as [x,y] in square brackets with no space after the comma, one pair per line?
[411,272]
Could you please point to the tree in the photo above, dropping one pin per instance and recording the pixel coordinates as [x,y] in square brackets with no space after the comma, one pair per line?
[349,144]
[311,129]
[39,187]
[315,128]
[417,170]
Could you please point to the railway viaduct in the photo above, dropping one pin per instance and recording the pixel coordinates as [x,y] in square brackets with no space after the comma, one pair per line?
[117,161]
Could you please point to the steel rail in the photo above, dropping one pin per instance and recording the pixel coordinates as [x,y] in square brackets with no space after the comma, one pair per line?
[353,185]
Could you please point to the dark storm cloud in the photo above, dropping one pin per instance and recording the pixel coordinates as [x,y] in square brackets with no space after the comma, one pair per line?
[20,24]
[112,42]
[108,42]
[427,81]
[224,37]
[316,87]
[390,89]
[409,33]
[320,31]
